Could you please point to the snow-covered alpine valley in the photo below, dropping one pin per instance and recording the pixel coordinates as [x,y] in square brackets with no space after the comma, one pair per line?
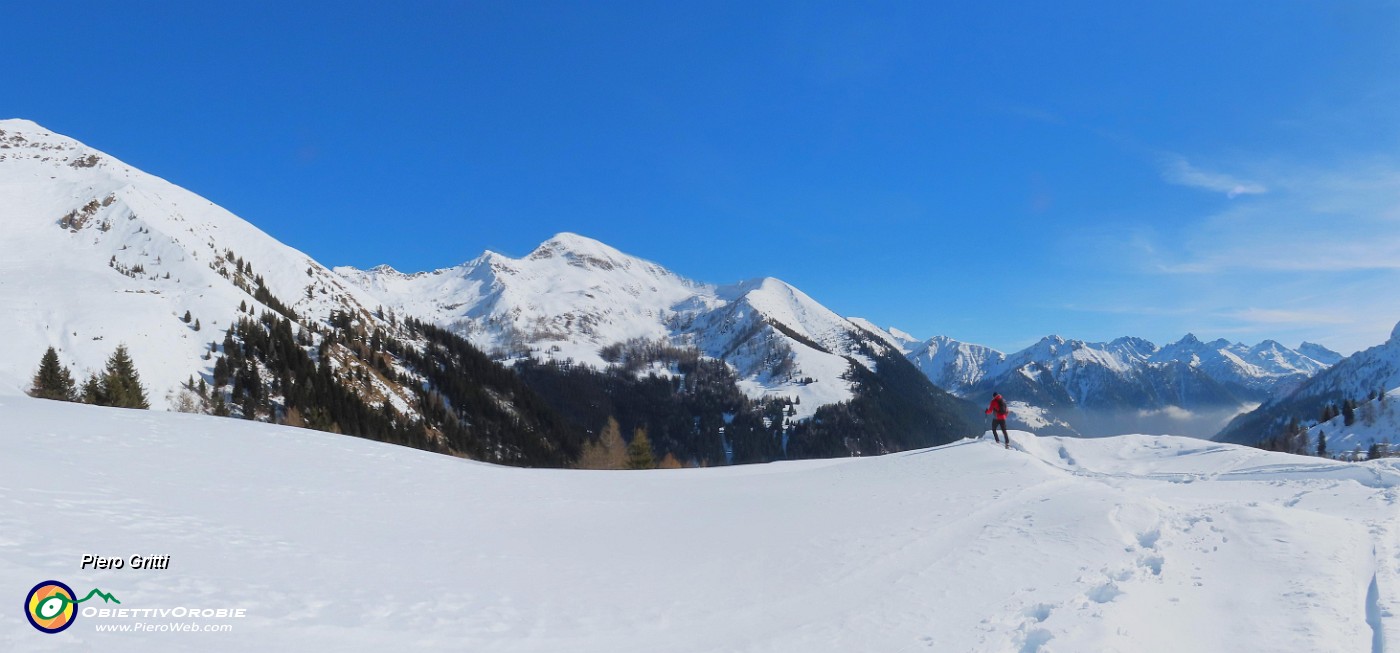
[1130,543]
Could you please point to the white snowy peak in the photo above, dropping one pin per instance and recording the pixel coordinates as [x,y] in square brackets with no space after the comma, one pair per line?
[1319,353]
[954,365]
[572,297]
[572,294]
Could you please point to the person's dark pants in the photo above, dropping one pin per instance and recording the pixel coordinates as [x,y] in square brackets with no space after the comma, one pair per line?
[1002,424]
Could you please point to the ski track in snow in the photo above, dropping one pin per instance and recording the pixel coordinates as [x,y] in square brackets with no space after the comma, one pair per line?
[1132,543]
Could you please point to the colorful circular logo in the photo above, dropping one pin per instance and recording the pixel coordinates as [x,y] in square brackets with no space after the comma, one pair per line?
[51,607]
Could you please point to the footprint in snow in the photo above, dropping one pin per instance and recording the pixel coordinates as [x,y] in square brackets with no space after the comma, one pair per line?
[1039,612]
[1104,593]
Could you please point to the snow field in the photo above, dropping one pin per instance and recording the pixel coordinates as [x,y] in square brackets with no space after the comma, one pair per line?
[1132,543]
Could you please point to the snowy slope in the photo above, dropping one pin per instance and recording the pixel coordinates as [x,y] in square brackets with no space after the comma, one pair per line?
[331,543]
[1377,422]
[1319,353]
[94,253]
[1355,377]
[573,296]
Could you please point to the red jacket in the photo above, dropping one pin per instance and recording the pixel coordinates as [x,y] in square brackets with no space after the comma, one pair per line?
[1000,411]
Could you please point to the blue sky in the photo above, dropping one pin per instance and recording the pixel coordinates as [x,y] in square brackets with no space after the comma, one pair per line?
[994,172]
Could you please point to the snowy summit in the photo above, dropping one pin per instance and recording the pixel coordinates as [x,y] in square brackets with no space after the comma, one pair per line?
[573,296]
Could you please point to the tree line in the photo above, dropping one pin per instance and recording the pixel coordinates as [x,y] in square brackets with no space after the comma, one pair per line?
[418,384]
[118,384]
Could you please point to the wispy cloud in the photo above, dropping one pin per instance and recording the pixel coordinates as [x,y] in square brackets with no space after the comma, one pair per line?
[1178,171]
[1131,309]
[1282,316]
[1314,254]
[1336,220]
[1170,412]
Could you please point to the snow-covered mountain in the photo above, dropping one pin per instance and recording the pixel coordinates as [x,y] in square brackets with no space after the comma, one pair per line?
[952,365]
[1268,367]
[1355,378]
[573,298]
[97,253]
[1132,543]
[1073,386]
[576,303]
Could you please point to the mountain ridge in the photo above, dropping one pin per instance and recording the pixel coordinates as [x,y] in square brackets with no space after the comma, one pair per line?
[1077,383]
[572,296]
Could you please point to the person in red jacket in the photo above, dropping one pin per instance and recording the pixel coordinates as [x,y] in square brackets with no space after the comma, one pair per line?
[998,411]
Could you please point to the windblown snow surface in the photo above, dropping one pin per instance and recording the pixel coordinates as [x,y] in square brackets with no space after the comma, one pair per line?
[1130,543]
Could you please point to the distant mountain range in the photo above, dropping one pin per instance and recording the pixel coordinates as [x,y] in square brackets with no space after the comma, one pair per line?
[1129,384]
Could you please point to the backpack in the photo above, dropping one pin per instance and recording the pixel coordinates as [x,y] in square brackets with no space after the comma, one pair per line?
[1000,404]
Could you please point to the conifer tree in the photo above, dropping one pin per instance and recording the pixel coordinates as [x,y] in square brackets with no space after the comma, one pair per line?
[220,407]
[92,391]
[669,462]
[221,372]
[121,384]
[639,454]
[53,380]
[1348,412]
[609,452]
[1321,444]
[186,319]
